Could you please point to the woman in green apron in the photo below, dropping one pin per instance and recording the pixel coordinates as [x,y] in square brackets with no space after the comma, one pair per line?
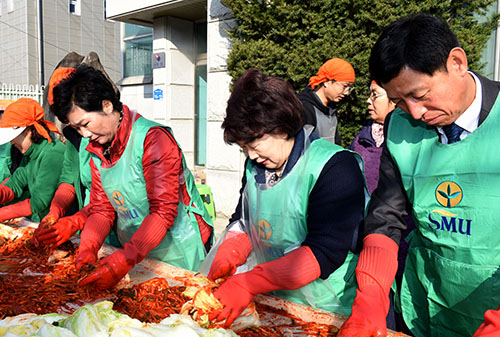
[302,200]
[32,185]
[139,177]
[73,193]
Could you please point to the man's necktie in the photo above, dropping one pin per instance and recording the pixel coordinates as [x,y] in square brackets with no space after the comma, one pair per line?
[452,132]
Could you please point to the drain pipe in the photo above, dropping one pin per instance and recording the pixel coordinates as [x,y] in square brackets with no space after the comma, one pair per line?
[41,61]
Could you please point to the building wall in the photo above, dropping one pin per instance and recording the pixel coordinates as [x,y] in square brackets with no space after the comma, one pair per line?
[14,56]
[63,32]
[224,163]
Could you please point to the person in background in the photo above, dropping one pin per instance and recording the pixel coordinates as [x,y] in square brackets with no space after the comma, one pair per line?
[36,178]
[368,142]
[333,82]
[440,164]
[300,208]
[139,176]
[74,185]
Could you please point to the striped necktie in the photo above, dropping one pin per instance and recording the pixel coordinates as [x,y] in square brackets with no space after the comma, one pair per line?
[452,132]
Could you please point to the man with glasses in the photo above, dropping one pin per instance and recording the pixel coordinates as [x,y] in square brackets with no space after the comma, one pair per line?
[332,83]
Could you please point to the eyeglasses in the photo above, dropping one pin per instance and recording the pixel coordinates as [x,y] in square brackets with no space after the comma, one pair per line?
[348,88]
[373,95]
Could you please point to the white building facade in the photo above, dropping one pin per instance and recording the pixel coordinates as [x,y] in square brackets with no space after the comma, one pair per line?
[189,85]
[36,34]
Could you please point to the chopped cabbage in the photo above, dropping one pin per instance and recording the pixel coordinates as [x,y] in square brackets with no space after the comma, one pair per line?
[101,320]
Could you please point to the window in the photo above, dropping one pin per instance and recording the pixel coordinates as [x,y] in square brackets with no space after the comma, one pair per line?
[75,7]
[138,50]
[10,6]
[201,94]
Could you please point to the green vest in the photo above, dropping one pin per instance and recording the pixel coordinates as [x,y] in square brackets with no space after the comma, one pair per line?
[5,161]
[278,224]
[125,187]
[76,170]
[451,276]
[85,176]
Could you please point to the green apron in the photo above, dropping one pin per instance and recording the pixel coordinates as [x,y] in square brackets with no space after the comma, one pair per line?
[451,275]
[125,187]
[85,176]
[5,161]
[278,224]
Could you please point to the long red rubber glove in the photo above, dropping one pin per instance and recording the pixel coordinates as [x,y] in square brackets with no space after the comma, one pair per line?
[291,271]
[232,253]
[375,272]
[114,267]
[62,230]
[62,201]
[92,237]
[6,194]
[491,325]
[19,209]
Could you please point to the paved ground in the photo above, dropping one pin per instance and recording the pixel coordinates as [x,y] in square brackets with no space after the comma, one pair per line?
[221,222]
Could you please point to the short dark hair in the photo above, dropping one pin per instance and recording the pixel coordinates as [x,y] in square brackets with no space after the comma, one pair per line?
[86,88]
[259,105]
[421,42]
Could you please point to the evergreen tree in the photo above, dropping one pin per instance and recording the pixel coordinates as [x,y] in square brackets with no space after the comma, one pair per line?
[292,38]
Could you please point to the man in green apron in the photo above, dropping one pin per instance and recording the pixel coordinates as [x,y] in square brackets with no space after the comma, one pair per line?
[439,164]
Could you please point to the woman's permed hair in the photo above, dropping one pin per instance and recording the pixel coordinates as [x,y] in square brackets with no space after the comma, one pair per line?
[86,88]
[259,105]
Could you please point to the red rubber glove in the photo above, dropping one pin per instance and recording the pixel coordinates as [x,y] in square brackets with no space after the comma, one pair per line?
[149,234]
[92,237]
[47,222]
[375,272]
[232,253]
[62,200]
[291,271]
[19,209]
[61,231]
[111,270]
[6,194]
[491,325]
[87,254]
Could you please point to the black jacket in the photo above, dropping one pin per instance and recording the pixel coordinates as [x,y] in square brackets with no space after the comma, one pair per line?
[310,100]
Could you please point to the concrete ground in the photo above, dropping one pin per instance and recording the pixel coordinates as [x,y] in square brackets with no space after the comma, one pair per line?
[221,221]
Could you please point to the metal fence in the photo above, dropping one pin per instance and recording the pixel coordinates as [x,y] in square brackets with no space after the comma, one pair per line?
[12,92]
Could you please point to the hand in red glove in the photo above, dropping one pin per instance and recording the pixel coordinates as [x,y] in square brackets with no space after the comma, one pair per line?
[291,271]
[491,325]
[375,272]
[17,210]
[47,222]
[115,266]
[61,231]
[231,254]
[87,254]
[6,194]
[111,270]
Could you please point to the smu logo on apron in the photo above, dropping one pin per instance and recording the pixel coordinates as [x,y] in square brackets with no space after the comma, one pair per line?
[449,195]
[119,201]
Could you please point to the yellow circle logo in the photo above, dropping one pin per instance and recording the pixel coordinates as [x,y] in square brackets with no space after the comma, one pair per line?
[265,230]
[449,194]
[118,198]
